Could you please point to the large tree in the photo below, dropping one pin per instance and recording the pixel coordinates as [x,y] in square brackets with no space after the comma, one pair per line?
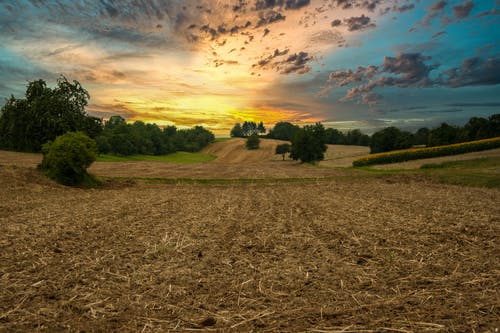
[44,114]
[283,131]
[390,138]
[309,143]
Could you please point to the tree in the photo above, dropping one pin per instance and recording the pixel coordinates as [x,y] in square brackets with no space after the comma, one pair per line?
[261,128]
[334,136]
[421,137]
[308,144]
[249,128]
[282,149]
[44,114]
[67,158]
[253,142]
[446,134]
[283,131]
[390,138]
[237,131]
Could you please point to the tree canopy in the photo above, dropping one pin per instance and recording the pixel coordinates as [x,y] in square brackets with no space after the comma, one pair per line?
[309,143]
[247,129]
[44,114]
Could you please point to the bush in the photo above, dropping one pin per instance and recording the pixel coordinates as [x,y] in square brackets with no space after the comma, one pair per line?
[282,149]
[415,154]
[253,142]
[67,158]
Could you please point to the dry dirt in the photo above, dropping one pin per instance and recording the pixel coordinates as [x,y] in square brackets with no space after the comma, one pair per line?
[351,255]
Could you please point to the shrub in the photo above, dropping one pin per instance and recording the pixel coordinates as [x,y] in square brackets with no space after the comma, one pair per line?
[253,142]
[67,158]
[415,154]
[282,149]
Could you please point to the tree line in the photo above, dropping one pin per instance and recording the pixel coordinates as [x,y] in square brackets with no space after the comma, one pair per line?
[120,138]
[46,113]
[390,138]
[477,128]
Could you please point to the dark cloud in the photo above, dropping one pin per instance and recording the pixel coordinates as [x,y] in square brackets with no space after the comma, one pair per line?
[473,72]
[287,4]
[437,9]
[297,4]
[269,17]
[437,34]
[406,70]
[482,105]
[336,23]
[438,6]
[404,8]
[358,23]
[267,60]
[412,70]
[370,5]
[295,63]
[463,10]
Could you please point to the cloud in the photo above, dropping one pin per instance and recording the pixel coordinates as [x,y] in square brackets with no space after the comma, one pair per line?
[410,70]
[482,105]
[473,71]
[463,10]
[295,63]
[406,70]
[358,23]
[269,17]
[288,4]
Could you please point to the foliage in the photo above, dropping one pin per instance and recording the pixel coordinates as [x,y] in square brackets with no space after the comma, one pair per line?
[44,114]
[138,138]
[247,129]
[283,131]
[67,158]
[237,131]
[308,144]
[253,142]
[282,149]
[418,153]
[390,138]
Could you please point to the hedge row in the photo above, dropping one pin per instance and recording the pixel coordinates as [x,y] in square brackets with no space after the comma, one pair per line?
[418,153]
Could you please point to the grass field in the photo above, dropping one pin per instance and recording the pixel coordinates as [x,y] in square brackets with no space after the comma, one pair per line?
[266,246]
[178,157]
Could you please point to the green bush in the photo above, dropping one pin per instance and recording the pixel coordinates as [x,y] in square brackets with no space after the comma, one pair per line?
[253,142]
[67,158]
[419,153]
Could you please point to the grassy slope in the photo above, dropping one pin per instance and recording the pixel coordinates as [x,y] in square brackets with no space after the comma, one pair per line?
[482,172]
[178,157]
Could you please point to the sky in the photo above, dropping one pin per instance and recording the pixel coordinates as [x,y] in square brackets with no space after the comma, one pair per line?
[364,64]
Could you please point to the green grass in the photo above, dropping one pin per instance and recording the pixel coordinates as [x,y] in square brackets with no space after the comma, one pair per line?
[222,139]
[481,172]
[178,157]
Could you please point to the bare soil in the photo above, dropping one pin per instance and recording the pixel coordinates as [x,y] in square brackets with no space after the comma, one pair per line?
[349,255]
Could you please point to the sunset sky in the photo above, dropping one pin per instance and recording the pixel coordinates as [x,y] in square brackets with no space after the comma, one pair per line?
[364,64]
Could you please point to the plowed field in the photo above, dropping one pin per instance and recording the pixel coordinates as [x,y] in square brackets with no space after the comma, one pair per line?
[390,254]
